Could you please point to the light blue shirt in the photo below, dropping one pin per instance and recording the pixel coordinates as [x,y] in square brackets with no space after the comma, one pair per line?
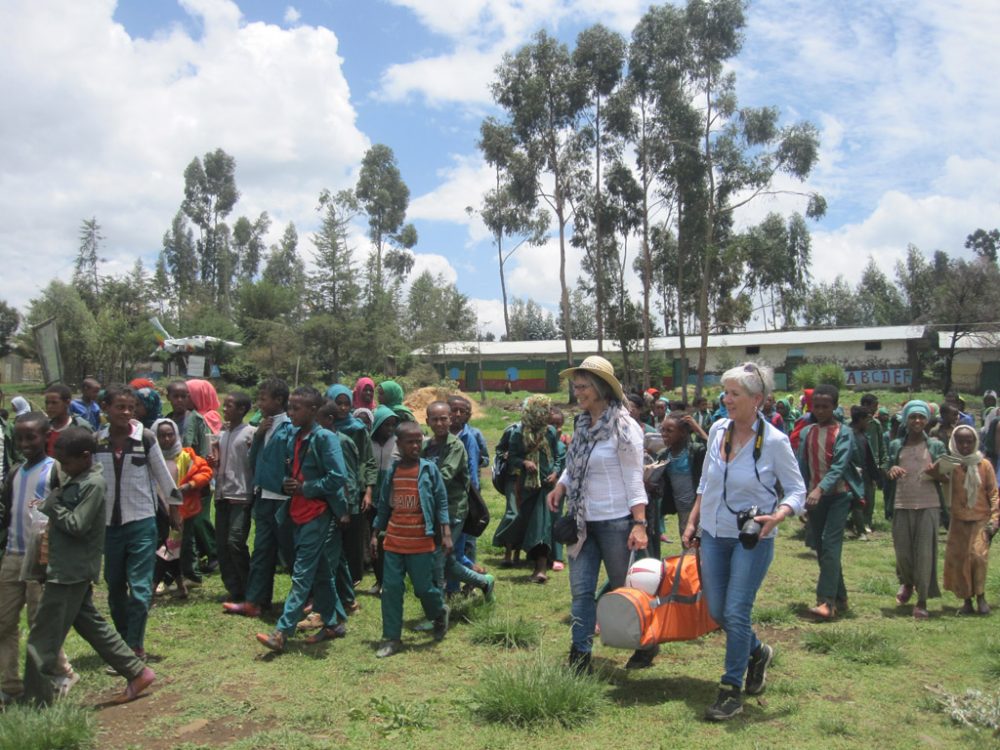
[777,463]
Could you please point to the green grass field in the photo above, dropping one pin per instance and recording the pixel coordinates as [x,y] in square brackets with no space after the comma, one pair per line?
[876,678]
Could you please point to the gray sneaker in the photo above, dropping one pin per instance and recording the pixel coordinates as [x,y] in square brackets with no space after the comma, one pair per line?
[441,624]
[727,704]
[388,648]
[760,660]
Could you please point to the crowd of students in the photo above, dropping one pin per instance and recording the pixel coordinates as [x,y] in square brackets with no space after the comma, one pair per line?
[337,484]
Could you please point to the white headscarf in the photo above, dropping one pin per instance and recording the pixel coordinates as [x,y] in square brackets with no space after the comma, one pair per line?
[970,462]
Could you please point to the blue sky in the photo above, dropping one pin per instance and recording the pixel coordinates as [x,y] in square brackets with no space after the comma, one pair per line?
[110,101]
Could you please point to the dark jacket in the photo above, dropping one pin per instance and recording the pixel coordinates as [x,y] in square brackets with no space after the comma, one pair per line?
[76,528]
[433,498]
[659,481]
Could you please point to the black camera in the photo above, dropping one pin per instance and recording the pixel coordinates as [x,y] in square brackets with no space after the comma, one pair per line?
[749,528]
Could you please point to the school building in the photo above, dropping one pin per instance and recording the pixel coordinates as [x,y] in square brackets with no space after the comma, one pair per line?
[876,357]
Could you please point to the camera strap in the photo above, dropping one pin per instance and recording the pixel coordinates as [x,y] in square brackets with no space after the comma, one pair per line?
[758,445]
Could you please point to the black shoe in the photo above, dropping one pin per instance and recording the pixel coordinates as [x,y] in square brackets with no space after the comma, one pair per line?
[210,566]
[642,658]
[579,662]
[441,624]
[760,660]
[727,704]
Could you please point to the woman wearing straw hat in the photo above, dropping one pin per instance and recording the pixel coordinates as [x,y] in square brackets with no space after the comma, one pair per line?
[603,482]
[738,505]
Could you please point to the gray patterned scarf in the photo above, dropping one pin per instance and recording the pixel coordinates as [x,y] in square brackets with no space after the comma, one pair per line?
[585,436]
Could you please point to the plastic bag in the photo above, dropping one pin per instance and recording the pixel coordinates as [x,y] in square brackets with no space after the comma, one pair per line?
[171,548]
[36,545]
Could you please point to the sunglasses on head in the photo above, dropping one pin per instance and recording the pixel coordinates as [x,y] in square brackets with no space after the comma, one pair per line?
[760,376]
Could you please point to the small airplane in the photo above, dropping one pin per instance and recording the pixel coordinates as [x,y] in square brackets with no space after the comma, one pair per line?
[187,344]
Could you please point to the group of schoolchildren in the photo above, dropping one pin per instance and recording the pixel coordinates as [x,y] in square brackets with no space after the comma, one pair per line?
[926,460]
[332,483]
[337,483]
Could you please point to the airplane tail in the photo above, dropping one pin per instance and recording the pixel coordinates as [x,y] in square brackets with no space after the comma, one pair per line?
[161,332]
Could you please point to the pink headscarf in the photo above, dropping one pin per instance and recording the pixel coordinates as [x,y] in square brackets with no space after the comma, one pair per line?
[206,402]
[359,400]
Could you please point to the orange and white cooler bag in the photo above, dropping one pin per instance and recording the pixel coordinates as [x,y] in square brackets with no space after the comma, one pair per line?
[632,619]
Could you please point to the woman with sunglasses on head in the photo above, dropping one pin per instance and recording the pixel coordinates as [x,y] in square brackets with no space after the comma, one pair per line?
[735,513]
[606,498]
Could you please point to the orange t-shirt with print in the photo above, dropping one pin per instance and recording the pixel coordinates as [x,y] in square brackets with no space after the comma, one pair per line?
[407,532]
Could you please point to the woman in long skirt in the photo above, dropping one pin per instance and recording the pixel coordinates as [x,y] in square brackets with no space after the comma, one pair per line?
[535,463]
[975,516]
[913,501]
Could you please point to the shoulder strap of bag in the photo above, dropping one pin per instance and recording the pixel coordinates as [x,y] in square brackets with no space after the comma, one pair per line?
[673,596]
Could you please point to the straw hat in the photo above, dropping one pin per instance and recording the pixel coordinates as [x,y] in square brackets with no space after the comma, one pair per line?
[600,367]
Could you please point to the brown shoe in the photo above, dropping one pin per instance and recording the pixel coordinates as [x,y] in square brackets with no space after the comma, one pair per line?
[312,621]
[275,641]
[136,685]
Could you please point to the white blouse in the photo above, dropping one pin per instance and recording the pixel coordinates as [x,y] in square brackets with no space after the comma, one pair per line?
[613,484]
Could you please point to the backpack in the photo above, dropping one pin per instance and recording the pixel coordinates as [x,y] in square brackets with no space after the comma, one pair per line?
[501,467]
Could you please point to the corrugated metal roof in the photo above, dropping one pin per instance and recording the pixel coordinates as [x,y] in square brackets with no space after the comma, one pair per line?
[977,340]
[672,343]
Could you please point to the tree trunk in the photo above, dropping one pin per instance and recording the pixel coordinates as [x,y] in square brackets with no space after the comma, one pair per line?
[949,360]
[598,266]
[646,262]
[681,238]
[708,249]
[503,286]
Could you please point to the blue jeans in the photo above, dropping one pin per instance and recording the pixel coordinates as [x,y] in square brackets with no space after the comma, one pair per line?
[730,577]
[606,541]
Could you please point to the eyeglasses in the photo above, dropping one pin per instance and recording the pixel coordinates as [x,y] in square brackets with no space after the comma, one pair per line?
[750,367]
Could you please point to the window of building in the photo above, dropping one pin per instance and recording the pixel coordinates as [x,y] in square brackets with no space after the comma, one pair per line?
[753,350]
[873,346]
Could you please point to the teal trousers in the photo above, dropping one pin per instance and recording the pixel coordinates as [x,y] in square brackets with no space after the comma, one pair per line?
[422,571]
[129,561]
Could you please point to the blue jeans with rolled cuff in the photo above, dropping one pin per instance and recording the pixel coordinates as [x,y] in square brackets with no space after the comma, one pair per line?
[730,578]
[607,542]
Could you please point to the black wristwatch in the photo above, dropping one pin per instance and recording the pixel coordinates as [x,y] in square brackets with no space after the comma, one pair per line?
[637,522]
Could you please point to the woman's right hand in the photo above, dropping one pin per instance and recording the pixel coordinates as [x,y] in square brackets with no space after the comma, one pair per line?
[555,497]
[896,472]
[690,536]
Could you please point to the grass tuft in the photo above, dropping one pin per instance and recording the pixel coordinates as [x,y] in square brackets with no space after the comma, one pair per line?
[978,709]
[63,726]
[881,585]
[393,718]
[780,614]
[858,646]
[506,631]
[533,691]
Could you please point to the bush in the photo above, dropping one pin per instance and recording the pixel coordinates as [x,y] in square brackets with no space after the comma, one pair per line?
[978,709]
[811,375]
[532,691]
[804,376]
[60,727]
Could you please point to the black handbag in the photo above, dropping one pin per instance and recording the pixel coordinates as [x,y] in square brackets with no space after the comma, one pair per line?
[564,530]
[479,515]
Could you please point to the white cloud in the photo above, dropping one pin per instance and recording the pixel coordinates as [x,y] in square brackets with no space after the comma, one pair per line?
[292,15]
[464,184]
[103,125]
[533,272]
[489,314]
[481,31]
[435,264]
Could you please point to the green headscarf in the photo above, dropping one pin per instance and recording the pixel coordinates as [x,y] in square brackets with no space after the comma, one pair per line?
[534,428]
[391,395]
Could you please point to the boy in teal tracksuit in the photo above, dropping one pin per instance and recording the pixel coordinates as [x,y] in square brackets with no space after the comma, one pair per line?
[268,457]
[314,481]
[832,465]
[76,547]
[451,458]
[412,512]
